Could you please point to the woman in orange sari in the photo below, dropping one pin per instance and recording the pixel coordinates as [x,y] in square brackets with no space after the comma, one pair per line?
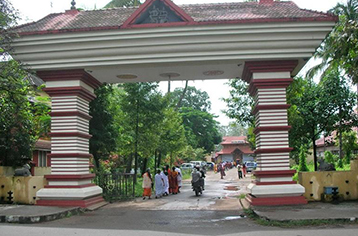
[147,184]
[173,181]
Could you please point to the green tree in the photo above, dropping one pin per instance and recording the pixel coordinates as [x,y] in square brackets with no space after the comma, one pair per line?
[20,119]
[200,128]
[297,134]
[349,144]
[172,136]
[240,103]
[143,108]
[17,133]
[342,102]
[193,98]
[340,48]
[122,3]
[102,126]
[302,163]
[233,129]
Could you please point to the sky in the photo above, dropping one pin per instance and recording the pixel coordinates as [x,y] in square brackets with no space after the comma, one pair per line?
[33,10]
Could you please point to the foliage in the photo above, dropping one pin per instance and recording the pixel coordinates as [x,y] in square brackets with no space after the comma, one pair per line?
[330,158]
[320,108]
[240,103]
[20,119]
[233,129]
[8,19]
[143,108]
[302,165]
[194,98]
[102,128]
[172,134]
[17,133]
[122,3]
[340,48]
[349,143]
[190,154]
[200,128]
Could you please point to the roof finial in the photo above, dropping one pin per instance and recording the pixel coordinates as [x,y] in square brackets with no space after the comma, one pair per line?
[73,3]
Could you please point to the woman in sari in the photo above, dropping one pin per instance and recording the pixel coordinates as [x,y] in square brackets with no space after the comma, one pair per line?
[173,181]
[147,184]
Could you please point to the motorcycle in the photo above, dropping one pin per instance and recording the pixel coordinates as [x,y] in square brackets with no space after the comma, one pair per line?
[198,187]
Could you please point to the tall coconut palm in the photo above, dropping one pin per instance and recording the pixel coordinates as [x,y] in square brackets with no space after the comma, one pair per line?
[122,3]
[340,48]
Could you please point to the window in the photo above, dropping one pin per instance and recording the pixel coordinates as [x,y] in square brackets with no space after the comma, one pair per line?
[42,159]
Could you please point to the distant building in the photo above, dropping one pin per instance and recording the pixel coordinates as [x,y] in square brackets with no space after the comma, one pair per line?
[40,160]
[235,148]
[328,143]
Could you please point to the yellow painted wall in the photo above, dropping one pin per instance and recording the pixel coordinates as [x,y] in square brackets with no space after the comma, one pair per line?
[24,188]
[6,171]
[346,181]
[41,171]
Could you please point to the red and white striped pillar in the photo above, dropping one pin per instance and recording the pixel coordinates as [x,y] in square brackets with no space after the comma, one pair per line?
[70,182]
[273,184]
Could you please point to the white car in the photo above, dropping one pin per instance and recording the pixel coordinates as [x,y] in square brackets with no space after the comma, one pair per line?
[199,163]
[187,166]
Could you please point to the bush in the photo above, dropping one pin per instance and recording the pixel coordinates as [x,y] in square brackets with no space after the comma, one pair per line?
[302,160]
[330,158]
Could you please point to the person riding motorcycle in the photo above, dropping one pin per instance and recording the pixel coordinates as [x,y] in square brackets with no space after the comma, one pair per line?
[198,175]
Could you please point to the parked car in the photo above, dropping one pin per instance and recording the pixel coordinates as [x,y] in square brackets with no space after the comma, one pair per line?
[202,164]
[187,166]
[250,166]
[210,165]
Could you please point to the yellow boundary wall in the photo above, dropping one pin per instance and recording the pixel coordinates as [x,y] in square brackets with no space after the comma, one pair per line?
[346,181]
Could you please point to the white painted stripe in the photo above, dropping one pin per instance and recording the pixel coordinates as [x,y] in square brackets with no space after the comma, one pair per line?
[271,75]
[278,179]
[69,183]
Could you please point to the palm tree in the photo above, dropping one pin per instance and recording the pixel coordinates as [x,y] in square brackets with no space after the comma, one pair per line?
[122,3]
[340,48]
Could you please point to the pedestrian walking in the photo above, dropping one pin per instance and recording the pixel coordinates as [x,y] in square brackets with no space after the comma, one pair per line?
[147,184]
[173,181]
[221,169]
[177,169]
[164,174]
[239,171]
[159,184]
[244,170]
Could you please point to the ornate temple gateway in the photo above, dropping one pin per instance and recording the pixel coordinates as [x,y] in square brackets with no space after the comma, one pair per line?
[265,43]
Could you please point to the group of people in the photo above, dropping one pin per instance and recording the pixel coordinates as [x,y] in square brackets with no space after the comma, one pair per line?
[222,166]
[166,181]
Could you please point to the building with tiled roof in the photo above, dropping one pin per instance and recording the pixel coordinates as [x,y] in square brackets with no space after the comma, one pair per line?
[234,148]
[205,14]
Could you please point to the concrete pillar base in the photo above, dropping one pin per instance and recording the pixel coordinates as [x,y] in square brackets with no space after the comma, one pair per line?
[77,197]
[275,201]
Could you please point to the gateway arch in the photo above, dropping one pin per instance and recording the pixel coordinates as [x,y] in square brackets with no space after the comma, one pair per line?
[265,43]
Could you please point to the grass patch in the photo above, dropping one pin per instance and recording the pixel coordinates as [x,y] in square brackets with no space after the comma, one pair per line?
[294,223]
[242,196]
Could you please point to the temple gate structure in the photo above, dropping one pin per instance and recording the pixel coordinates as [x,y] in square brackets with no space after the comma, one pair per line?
[265,43]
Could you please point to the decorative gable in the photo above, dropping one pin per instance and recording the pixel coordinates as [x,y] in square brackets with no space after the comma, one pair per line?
[157,12]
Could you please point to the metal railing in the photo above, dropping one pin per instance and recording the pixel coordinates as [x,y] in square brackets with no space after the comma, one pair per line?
[116,186]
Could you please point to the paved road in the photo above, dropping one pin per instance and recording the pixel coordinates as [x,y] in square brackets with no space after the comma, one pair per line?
[216,212]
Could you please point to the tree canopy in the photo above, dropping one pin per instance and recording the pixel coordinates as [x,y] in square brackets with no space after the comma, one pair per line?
[22,121]
[340,48]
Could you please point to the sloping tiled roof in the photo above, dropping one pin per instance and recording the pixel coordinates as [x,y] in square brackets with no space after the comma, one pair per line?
[233,140]
[231,148]
[43,145]
[239,12]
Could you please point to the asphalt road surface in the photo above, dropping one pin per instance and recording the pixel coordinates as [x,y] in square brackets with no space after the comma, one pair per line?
[216,212]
